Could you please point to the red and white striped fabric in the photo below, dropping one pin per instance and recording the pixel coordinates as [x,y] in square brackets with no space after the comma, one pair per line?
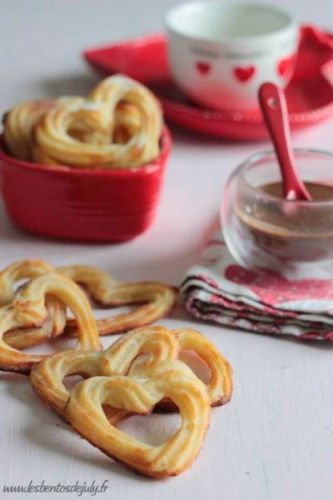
[220,290]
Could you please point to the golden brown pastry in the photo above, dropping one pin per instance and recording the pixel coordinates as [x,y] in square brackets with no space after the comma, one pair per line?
[18,271]
[127,122]
[19,125]
[125,116]
[28,308]
[154,344]
[144,143]
[158,299]
[220,384]
[47,376]
[138,372]
[118,125]
[55,321]
[138,393]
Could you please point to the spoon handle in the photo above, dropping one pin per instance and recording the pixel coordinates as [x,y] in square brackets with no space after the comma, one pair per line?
[274,108]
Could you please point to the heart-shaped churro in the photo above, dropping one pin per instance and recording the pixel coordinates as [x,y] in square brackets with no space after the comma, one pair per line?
[118,125]
[121,118]
[55,321]
[139,347]
[138,394]
[28,308]
[157,299]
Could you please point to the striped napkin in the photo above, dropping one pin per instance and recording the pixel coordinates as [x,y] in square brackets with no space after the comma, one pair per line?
[220,290]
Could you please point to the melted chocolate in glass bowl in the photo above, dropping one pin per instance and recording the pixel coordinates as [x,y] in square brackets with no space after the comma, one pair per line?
[290,232]
[319,192]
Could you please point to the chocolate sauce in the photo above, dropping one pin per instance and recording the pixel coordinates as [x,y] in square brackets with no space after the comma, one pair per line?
[319,192]
[290,230]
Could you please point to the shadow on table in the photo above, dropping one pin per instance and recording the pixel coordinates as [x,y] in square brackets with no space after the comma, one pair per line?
[42,422]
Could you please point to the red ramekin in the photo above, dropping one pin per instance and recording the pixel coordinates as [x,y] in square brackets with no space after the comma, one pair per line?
[83,204]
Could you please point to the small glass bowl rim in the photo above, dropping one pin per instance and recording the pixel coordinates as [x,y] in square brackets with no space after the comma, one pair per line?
[239,172]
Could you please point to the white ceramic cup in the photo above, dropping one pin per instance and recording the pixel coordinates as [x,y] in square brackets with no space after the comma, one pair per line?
[220,54]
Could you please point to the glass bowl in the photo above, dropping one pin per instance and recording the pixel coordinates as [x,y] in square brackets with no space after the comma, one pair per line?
[263,230]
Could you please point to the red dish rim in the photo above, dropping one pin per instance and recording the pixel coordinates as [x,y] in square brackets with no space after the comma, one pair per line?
[88,172]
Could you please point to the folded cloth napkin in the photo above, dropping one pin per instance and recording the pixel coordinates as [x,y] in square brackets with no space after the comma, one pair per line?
[220,290]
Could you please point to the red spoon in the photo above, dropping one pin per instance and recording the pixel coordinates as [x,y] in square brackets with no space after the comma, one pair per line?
[274,109]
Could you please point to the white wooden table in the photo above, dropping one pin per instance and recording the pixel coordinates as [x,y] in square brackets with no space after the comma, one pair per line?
[274,440]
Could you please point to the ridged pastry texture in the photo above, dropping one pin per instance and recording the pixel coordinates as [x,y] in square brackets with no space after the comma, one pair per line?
[143,145]
[118,125]
[138,393]
[19,125]
[158,299]
[47,377]
[141,371]
[134,375]
[20,122]
[154,344]
[125,116]
[153,301]
[28,308]
[55,320]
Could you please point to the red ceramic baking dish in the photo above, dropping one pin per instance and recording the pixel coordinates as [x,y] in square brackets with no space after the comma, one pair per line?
[83,204]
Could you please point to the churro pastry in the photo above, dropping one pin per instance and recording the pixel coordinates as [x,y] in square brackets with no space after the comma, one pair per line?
[55,321]
[83,125]
[138,393]
[138,372]
[145,369]
[157,299]
[28,308]
[127,123]
[140,123]
[139,347]
[118,125]
[143,145]
[19,128]
[19,125]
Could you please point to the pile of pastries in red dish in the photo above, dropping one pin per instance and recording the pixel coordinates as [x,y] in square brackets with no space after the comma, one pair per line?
[118,124]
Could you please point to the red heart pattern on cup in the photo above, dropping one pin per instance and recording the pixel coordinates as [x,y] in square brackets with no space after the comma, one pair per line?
[203,67]
[285,65]
[244,73]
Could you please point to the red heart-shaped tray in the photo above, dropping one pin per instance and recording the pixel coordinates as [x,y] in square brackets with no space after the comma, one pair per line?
[309,94]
